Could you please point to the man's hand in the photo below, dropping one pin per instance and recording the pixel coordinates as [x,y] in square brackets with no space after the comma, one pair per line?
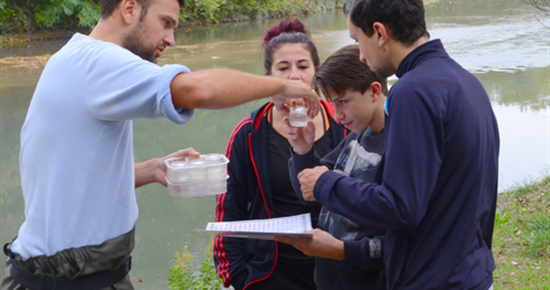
[297,90]
[308,177]
[154,170]
[322,244]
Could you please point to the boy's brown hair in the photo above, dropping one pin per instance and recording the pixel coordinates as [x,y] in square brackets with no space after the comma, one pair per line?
[342,71]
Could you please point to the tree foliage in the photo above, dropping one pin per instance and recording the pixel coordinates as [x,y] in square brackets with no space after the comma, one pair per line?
[28,15]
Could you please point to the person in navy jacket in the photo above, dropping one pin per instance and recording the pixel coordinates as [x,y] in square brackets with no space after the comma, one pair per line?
[438,191]
[259,184]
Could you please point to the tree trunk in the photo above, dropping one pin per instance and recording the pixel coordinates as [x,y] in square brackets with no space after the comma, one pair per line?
[28,23]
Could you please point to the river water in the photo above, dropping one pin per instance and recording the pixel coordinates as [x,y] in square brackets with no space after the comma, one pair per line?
[505,43]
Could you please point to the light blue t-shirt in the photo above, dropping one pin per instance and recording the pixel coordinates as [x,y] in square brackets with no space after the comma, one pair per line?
[76,160]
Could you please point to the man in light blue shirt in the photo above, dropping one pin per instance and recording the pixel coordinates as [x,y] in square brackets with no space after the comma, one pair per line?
[77,167]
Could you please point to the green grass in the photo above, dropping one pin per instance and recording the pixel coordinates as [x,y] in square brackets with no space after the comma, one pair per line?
[521,240]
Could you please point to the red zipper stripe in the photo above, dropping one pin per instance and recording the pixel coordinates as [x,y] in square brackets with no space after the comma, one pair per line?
[223,267]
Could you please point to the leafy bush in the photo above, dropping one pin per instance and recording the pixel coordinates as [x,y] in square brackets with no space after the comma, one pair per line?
[12,18]
[182,276]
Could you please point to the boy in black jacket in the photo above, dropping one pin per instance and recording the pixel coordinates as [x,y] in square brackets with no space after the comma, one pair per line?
[341,245]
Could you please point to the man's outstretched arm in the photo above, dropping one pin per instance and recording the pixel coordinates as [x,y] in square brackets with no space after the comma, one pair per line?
[225,88]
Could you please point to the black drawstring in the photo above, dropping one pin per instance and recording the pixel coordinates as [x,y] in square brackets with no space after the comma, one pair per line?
[8,252]
[7,249]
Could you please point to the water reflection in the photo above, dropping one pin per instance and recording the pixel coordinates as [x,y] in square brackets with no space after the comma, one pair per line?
[502,42]
[526,90]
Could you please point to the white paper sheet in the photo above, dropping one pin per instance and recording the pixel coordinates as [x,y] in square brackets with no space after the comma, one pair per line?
[263,229]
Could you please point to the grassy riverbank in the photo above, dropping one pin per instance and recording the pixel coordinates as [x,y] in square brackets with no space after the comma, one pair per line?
[521,240]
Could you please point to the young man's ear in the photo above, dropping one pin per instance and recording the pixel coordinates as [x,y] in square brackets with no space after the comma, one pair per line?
[129,9]
[376,89]
[381,32]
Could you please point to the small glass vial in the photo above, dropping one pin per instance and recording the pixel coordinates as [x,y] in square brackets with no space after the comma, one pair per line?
[298,116]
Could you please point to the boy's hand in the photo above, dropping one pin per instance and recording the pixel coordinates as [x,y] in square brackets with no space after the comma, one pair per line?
[322,244]
[300,138]
[308,177]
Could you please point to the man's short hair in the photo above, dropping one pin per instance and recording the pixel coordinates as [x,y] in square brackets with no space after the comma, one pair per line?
[404,18]
[109,6]
[342,71]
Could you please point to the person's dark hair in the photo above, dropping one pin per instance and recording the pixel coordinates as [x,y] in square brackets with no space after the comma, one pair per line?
[404,18]
[342,71]
[109,6]
[287,32]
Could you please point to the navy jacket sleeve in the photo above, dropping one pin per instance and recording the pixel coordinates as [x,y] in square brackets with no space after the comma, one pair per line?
[231,206]
[358,254]
[410,170]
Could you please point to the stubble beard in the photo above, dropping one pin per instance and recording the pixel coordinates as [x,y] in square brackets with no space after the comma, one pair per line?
[134,43]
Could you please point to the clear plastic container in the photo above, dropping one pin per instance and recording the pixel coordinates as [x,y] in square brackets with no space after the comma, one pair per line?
[197,176]
[196,189]
[214,158]
[217,187]
[217,169]
[178,170]
[298,116]
[186,189]
[197,170]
